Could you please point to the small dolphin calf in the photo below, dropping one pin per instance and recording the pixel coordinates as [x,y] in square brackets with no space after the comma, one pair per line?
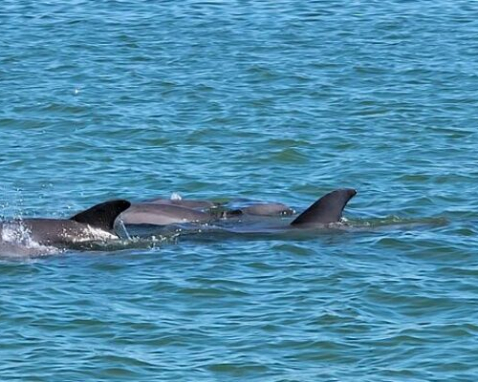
[95,223]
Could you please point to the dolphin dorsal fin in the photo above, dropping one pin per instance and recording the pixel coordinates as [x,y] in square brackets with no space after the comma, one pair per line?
[102,215]
[328,209]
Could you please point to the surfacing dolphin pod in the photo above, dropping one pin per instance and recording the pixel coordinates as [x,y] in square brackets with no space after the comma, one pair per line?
[328,209]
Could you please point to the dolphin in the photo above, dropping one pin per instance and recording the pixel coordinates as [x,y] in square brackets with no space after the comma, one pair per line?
[188,203]
[265,209]
[162,214]
[93,224]
[323,213]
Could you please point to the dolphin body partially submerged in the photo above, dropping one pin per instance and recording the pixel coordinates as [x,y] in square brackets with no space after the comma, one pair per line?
[94,224]
[187,203]
[324,214]
[162,214]
[326,210]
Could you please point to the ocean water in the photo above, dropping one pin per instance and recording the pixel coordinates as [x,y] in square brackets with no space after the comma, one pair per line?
[269,100]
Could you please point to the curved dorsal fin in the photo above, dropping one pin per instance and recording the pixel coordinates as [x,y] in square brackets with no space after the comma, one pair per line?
[102,215]
[328,209]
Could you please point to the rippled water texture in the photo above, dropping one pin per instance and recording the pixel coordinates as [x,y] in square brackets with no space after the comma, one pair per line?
[268,100]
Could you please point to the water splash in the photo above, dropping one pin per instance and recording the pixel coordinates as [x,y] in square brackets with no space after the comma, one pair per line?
[16,241]
[176,196]
[121,230]
[16,232]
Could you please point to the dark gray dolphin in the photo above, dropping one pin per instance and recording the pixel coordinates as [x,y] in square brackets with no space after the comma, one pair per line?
[95,223]
[325,213]
[162,214]
[328,209]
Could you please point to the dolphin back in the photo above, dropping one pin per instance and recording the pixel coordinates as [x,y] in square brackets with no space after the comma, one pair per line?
[102,215]
[328,209]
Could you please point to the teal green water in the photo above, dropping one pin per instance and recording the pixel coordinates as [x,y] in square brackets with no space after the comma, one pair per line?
[279,101]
